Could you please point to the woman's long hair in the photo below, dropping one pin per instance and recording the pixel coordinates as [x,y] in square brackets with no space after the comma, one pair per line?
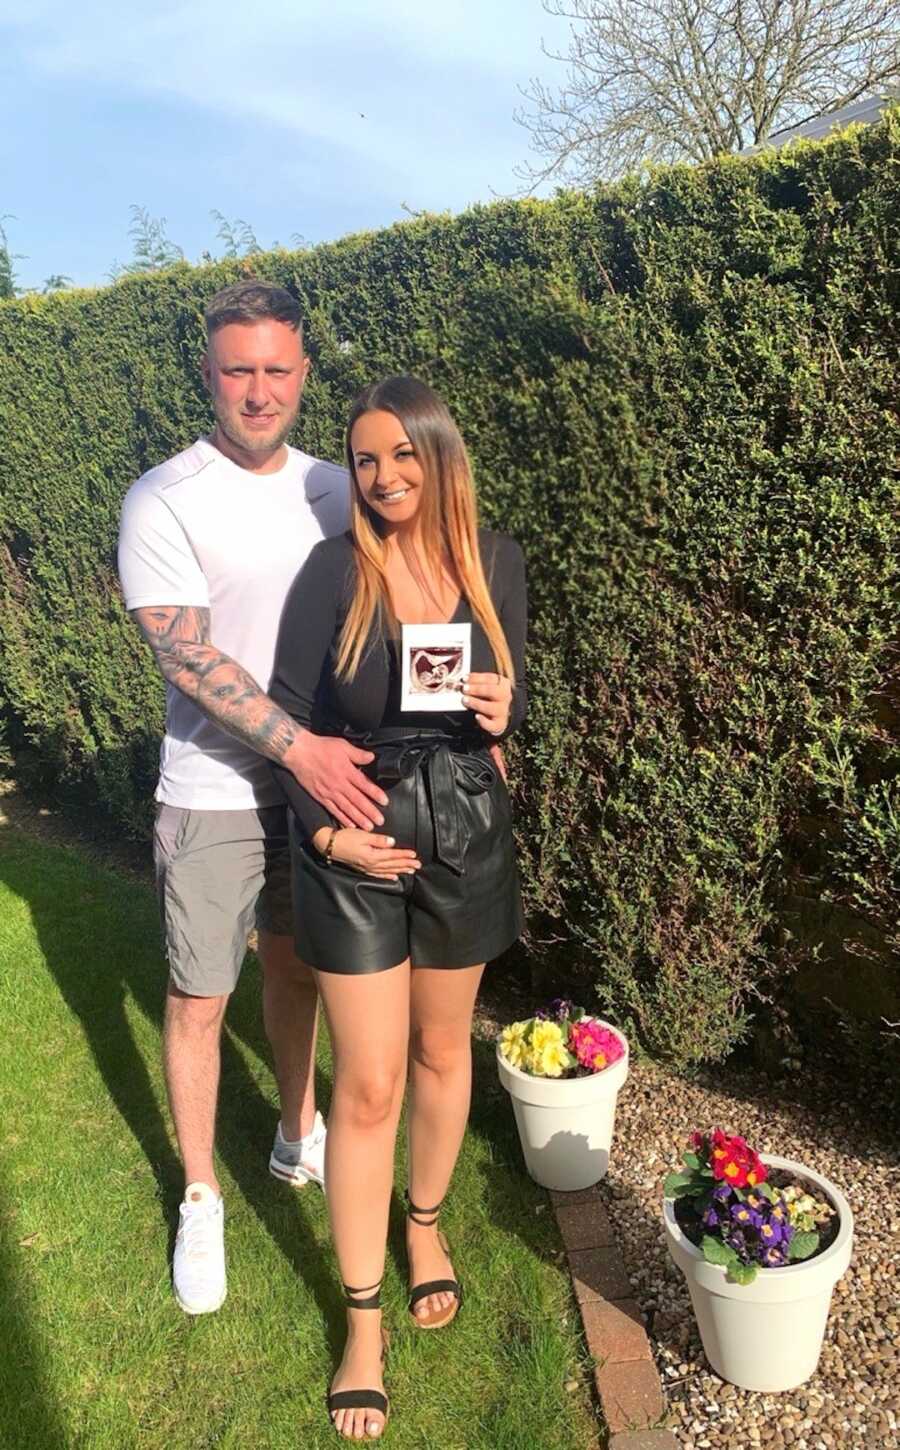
[448,524]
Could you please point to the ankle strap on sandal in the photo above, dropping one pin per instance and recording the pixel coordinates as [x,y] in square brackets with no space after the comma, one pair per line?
[373,1302]
[424,1217]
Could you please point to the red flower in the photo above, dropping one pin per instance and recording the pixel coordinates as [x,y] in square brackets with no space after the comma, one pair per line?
[758,1172]
[735,1162]
[732,1171]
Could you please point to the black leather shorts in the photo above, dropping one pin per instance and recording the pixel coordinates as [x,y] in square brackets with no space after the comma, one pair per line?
[448,801]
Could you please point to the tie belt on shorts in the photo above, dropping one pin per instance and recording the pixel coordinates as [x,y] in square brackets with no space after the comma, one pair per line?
[452,766]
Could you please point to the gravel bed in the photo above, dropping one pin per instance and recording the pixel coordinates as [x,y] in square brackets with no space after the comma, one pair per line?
[854,1398]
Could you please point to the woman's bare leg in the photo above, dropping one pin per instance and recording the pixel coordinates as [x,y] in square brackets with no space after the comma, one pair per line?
[368,1020]
[440,1091]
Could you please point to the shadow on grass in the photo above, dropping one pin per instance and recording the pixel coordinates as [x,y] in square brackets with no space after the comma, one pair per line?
[28,1411]
[101,943]
[516,1203]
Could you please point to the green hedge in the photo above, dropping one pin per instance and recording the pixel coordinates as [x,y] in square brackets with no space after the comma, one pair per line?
[679,393]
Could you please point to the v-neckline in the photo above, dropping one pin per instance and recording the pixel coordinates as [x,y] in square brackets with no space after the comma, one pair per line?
[427,623]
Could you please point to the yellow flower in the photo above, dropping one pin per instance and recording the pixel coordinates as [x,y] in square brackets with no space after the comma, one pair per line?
[546,1034]
[545,1062]
[512,1043]
[549,1056]
[554,1060]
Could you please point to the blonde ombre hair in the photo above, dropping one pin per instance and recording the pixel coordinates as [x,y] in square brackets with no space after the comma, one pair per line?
[448,521]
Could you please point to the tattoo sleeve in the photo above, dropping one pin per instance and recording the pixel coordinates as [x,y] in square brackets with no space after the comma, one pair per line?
[217,684]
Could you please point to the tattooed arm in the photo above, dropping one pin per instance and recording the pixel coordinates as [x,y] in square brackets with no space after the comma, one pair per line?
[329,769]
[217,684]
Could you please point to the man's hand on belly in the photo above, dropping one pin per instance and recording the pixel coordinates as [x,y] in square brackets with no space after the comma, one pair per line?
[329,769]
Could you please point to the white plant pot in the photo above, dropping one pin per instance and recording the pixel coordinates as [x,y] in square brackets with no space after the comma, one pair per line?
[766,1335]
[565,1124]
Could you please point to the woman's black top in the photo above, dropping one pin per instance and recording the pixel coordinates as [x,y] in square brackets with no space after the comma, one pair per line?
[304,683]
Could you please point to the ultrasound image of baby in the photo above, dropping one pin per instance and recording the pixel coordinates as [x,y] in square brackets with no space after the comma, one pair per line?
[435,660]
[439,667]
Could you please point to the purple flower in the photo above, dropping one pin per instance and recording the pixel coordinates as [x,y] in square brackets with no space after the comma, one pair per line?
[736,1239]
[561,1007]
[711,1217]
[772,1232]
[722,1192]
[556,1011]
[773,1257]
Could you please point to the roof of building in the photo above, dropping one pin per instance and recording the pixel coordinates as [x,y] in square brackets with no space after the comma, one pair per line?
[867,112]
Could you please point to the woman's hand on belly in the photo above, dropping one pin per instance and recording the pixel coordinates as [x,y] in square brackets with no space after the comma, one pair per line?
[366,852]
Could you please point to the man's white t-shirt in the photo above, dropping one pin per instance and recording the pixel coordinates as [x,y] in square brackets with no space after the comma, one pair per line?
[200,531]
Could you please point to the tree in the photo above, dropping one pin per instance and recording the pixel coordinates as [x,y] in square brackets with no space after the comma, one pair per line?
[7,258]
[669,80]
[152,248]
[238,236]
[57,282]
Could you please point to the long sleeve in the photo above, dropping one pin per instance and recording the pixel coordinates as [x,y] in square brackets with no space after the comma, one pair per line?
[513,614]
[308,626]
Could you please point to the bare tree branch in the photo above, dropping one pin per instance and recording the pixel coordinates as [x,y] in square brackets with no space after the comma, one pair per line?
[667,80]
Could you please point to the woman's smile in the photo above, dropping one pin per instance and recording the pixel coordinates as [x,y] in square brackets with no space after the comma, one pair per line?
[393,497]
[388,472]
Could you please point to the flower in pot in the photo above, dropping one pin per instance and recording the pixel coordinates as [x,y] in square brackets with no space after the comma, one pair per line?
[563,1070]
[761,1241]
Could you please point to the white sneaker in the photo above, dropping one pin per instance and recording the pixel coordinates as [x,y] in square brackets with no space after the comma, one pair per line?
[303,1161]
[198,1267]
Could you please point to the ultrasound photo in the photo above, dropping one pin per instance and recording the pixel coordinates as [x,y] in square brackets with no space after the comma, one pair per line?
[436,658]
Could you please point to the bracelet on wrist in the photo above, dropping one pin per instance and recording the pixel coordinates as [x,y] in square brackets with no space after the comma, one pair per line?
[328,851]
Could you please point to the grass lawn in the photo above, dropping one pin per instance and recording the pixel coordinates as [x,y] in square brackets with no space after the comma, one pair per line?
[95,1351]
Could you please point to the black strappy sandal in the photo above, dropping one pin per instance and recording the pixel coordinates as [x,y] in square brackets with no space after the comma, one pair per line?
[425,1218]
[362,1399]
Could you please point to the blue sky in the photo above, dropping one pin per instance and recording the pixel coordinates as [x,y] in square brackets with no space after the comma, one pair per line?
[300,116]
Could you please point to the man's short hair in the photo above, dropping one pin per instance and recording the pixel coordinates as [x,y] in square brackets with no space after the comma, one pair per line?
[252,301]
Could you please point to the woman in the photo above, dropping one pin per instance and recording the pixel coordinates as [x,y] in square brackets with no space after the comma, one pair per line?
[397,926]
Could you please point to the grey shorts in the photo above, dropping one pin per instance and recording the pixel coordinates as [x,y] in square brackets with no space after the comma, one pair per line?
[219,873]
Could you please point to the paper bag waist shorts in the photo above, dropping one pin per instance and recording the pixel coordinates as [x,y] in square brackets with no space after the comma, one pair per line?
[447,801]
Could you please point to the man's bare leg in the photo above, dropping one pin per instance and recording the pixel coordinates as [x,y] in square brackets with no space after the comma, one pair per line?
[191,1056]
[290,1013]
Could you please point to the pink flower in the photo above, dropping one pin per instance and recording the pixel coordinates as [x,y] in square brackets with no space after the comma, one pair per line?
[594,1045]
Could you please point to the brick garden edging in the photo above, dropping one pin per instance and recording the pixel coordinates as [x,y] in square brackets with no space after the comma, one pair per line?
[628,1385]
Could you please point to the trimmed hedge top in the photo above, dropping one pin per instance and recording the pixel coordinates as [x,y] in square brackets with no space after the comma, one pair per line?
[680,396]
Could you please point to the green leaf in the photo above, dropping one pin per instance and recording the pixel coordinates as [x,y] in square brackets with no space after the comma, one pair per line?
[715,1252]
[692,1161]
[803,1245]
[742,1273]
[677,1185]
[766,1191]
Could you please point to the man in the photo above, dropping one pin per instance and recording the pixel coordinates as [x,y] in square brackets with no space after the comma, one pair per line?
[210,542]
